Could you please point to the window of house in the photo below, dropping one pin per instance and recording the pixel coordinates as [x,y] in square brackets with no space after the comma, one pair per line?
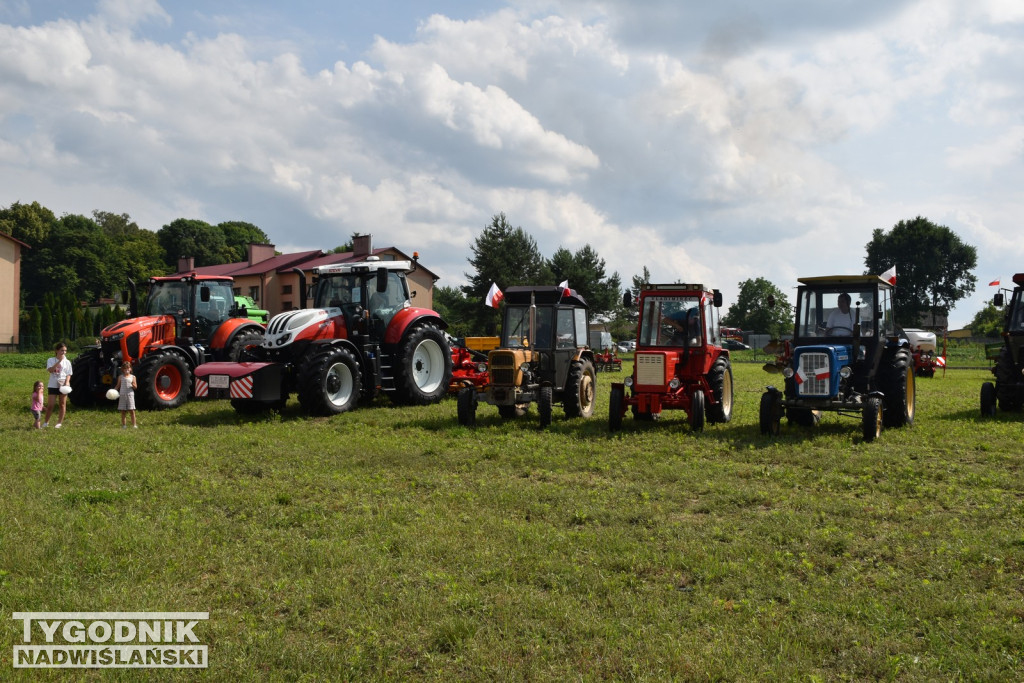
[254,292]
[286,289]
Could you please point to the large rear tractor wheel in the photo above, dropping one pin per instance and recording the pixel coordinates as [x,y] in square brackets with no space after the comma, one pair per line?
[467,402]
[165,381]
[579,390]
[423,367]
[237,352]
[616,408]
[988,399]
[899,386]
[720,381]
[544,402]
[770,417]
[329,382]
[697,411]
[872,418]
[81,395]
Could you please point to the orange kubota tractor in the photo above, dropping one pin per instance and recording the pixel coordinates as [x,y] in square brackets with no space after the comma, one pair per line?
[189,320]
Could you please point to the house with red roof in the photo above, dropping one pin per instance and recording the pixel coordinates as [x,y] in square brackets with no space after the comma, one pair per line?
[10,291]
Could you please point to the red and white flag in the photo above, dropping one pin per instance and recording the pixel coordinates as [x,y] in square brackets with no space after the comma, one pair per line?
[890,275]
[494,296]
[940,361]
[994,283]
[564,284]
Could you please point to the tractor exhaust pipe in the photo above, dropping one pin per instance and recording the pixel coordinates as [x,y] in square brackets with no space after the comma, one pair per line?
[302,286]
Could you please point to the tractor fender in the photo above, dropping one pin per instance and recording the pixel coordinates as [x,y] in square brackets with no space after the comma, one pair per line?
[407,318]
[231,328]
[189,353]
[319,344]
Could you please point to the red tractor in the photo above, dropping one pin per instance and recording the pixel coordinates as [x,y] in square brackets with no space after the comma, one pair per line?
[680,363]
[361,337]
[189,320]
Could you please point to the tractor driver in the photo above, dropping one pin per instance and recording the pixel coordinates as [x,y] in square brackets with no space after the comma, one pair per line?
[840,320]
[679,321]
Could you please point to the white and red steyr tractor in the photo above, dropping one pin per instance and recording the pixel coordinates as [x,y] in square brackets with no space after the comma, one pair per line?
[363,336]
[680,363]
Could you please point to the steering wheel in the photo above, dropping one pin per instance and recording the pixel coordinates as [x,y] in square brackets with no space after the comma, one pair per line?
[832,331]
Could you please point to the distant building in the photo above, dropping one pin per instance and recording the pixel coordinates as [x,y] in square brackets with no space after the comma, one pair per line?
[10,291]
[270,280]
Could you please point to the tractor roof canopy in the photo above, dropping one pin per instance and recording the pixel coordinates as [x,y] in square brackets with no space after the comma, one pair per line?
[844,280]
[192,276]
[543,296]
[1019,279]
[694,289]
[363,267]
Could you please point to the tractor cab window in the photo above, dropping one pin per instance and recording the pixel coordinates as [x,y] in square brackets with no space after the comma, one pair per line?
[711,322]
[565,337]
[834,312]
[886,315]
[167,298]
[1017,321]
[581,326]
[516,331]
[339,290]
[384,305]
[217,307]
[670,321]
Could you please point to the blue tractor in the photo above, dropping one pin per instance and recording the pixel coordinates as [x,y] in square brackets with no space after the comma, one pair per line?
[847,356]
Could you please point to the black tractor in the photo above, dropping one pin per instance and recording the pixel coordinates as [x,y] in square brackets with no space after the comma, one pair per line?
[1008,389]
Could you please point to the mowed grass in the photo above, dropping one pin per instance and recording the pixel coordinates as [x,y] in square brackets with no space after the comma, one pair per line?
[392,543]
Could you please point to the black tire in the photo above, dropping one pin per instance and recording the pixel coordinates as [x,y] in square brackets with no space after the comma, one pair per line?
[544,402]
[616,399]
[988,399]
[165,381]
[580,387]
[899,387]
[423,367]
[512,412]
[237,352]
[720,380]
[1008,377]
[769,418]
[81,395]
[329,382]
[467,402]
[697,411]
[872,418]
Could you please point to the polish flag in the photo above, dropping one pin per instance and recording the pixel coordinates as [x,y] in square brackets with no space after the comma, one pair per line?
[890,275]
[799,377]
[822,373]
[494,296]
[564,284]
[994,283]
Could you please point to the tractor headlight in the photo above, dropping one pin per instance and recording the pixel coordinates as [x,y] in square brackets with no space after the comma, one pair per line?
[787,372]
[481,367]
[524,368]
[628,381]
[845,371]
[116,337]
[674,383]
[283,339]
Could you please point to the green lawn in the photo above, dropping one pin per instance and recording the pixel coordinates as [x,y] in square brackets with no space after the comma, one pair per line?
[393,544]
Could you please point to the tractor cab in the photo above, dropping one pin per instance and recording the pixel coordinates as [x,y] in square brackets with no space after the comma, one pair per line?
[368,294]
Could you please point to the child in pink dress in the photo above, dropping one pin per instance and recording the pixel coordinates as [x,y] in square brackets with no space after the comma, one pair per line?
[38,397]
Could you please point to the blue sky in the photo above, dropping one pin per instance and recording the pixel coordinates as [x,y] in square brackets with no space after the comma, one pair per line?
[706,141]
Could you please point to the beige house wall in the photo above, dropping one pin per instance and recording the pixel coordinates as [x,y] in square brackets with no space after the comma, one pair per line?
[10,291]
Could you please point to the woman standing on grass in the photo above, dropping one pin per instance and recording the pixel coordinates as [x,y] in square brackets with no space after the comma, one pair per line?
[59,368]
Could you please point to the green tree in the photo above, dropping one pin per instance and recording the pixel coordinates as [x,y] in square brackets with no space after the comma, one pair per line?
[988,322]
[585,272]
[142,256]
[30,223]
[507,256]
[238,235]
[753,313]
[933,267]
[456,310]
[185,237]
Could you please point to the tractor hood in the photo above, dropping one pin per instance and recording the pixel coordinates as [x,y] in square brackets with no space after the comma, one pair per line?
[306,324]
[816,368]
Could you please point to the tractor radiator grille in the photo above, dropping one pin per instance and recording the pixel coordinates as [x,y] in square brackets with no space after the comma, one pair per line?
[503,368]
[650,368]
[813,375]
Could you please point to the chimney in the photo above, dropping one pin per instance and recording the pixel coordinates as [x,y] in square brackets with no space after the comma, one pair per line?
[362,246]
[260,252]
[186,264]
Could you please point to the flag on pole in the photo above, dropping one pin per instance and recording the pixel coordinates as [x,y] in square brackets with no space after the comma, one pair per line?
[890,275]
[564,284]
[994,283]
[494,296]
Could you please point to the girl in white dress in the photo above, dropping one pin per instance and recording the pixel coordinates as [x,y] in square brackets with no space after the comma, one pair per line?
[126,387]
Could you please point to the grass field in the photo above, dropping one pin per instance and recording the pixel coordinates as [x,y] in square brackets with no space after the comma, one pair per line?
[393,544]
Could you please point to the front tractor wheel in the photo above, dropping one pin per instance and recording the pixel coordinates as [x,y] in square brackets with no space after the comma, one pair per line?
[237,353]
[720,381]
[423,367]
[579,390]
[872,418]
[165,380]
[544,403]
[988,399]
[770,415]
[616,408]
[467,402]
[697,411]
[899,389]
[329,382]
[81,395]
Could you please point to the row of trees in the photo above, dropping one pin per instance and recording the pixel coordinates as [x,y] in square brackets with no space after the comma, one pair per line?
[62,318]
[89,258]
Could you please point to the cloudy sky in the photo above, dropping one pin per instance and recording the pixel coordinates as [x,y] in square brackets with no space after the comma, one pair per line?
[708,141]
